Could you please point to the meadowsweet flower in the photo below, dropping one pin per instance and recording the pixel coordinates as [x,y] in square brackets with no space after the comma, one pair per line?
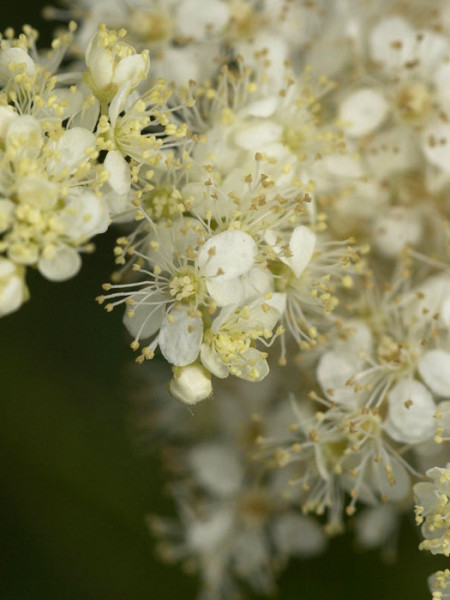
[433,510]
[48,210]
[236,528]
[440,585]
[339,451]
[228,346]
[248,188]
[192,274]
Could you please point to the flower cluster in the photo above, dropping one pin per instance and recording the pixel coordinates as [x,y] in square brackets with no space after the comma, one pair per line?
[67,156]
[280,179]
[433,514]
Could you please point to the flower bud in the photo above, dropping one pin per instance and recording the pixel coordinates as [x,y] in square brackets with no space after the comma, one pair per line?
[190,384]
[112,63]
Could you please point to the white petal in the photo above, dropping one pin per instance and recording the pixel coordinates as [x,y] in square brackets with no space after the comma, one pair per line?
[119,172]
[209,460]
[7,268]
[392,42]
[400,489]
[363,112]
[261,108]
[72,146]
[88,116]
[211,361]
[375,525]
[7,115]
[434,368]
[38,191]
[118,103]
[410,422]
[130,69]
[260,314]
[396,149]
[86,215]
[230,291]
[436,145]
[148,312]
[14,56]
[257,135]
[207,536]
[120,207]
[100,64]
[445,312]
[72,101]
[299,536]
[253,367]
[278,302]
[434,293]
[180,337]
[359,338]
[432,48]
[64,264]
[302,244]
[180,64]
[11,296]
[227,255]
[441,77]
[333,372]
[254,283]
[393,230]
[257,282]
[25,132]
[12,287]
[343,166]
[196,20]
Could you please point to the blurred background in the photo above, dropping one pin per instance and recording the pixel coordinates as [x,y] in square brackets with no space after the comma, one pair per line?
[75,492]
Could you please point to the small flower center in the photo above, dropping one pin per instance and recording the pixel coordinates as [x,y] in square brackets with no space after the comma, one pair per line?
[150,27]
[413,101]
[183,287]
[232,345]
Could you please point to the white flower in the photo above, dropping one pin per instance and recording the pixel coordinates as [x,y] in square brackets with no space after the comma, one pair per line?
[188,275]
[362,112]
[433,510]
[228,345]
[47,212]
[439,584]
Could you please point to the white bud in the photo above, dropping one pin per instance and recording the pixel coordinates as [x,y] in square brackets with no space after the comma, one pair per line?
[112,63]
[190,384]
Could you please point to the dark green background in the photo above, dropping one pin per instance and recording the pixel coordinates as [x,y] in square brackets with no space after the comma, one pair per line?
[75,494]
